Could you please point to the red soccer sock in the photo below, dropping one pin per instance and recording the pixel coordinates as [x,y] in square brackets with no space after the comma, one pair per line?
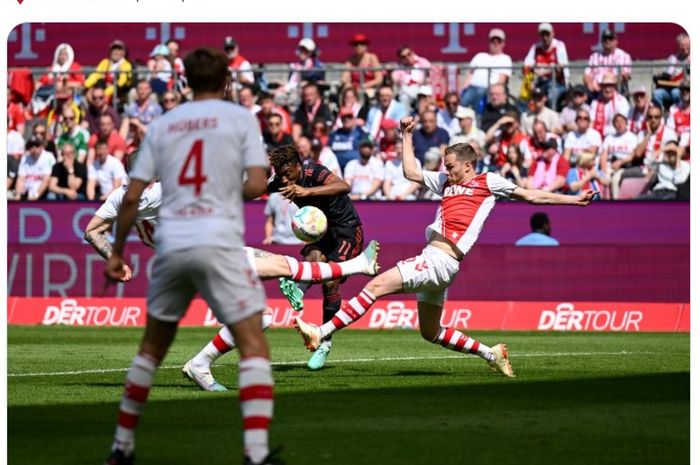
[256,397]
[349,312]
[457,341]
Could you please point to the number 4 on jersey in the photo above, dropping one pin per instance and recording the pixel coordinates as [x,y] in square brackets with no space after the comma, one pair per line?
[191,172]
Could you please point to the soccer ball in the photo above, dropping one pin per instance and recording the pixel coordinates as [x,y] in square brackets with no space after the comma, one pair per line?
[309,224]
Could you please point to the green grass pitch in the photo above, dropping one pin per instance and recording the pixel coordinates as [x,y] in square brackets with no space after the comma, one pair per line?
[384,397]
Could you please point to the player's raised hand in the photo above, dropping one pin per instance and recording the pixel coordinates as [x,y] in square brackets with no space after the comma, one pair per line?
[408,124]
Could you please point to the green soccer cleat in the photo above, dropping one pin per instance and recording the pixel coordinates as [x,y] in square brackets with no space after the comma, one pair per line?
[318,359]
[371,253]
[310,333]
[501,362]
[294,295]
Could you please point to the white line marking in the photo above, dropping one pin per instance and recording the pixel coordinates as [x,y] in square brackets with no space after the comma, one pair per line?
[352,360]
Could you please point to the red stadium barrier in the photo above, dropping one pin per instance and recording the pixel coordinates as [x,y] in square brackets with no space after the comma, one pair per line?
[385,314]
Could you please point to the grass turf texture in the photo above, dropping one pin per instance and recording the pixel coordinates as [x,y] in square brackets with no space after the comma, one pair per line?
[577,399]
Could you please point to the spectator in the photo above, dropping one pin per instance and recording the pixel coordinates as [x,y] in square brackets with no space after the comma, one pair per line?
[365,174]
[322,155]
[651,140]
[111,72]
[345,142]
[583,139]
[638,112]
[617,151]
[350,99]
[273,135]
[497,107]
[549,172]
[533,146]
[447,117]
[140,113]
[608,60]
[605,107]
[312,107]
[319,131]
[73,134]
[505,132]
[395,185]
[161,70]
[267,108]
[105,173]
[115,143]
[425,102]
[538,110]
[15,111]
[241,70]
[468,131]
[170,100]
[411,75]
[585,176]
[278,223]
[68,177]
[364,76]
[390,143]
[429,135]
[670,177]
[246,99]
[577,100]
[65,71]
[667,90]
[386,108]
[180,85]
[307,68]
[40,131]
[679,116]
[541,232]
[549,62]
[486,69]
[513,169]
[98,105]
[15,150]
[433,162]
[34,171]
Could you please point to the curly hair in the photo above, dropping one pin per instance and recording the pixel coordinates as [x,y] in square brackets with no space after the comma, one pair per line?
[280,156]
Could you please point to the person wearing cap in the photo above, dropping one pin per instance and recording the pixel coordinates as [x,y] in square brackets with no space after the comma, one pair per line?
[365,174]
[161,70]
[617,152]
[583,139]
[671,176]
[387,107]
[447,117]
[395,185]
[548,60]
[640,105]
[550,171]
[241,69]
[307,68]
[538,110]
[485,70]
[362,67]
[345,141]
[411,74]
[577,99]
[111,71]
[609,59]
[34,171]
[607,105]
[667,89]
[679,115]
[268,107]
[65,71]
[389,142]
[468,130]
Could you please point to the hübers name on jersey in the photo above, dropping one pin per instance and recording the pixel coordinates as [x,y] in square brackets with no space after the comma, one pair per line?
[193,124]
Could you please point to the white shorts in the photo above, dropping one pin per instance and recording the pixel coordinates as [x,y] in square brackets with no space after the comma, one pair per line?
[223,277]
[428,274]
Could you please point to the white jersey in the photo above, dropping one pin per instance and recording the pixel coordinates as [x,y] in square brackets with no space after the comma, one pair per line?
[146,216]
[393,171]
[487,68]
[581,142]
[465,207]
[34,170]
[619,145]
[360,177]
[105,173]
[200,151]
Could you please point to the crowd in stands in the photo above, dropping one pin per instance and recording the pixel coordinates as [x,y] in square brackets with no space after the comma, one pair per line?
[70,134]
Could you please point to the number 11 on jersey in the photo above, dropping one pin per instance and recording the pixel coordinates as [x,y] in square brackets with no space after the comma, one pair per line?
[191,172]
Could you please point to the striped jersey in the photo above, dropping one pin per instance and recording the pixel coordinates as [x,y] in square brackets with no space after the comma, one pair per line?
[464,207]
[601,63]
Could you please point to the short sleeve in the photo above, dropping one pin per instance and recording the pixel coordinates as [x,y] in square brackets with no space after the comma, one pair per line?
[499,186]
[110,208]
[91,172]
[434,181]
[22,171]
[320,175]
[118,169]
[145,166]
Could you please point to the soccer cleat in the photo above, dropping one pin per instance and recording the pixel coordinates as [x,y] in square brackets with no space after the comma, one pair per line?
[501,362]
[371,253]
[117,457]
[318,358]
[310,333]
[294,295]
[203,378]
[271,459]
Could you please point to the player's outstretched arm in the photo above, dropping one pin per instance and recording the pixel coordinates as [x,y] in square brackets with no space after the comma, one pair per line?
[541,197]
[96,236]
[255,184]
[125,220]
[408,155]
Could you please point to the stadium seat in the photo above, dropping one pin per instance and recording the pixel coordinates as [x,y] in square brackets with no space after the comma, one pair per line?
[631,188]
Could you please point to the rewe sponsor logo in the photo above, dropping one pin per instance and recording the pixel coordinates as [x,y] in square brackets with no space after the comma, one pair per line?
[567,318]
[453,190]
[70,313]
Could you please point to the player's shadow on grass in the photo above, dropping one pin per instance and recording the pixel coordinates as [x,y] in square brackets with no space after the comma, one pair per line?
[633,419]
